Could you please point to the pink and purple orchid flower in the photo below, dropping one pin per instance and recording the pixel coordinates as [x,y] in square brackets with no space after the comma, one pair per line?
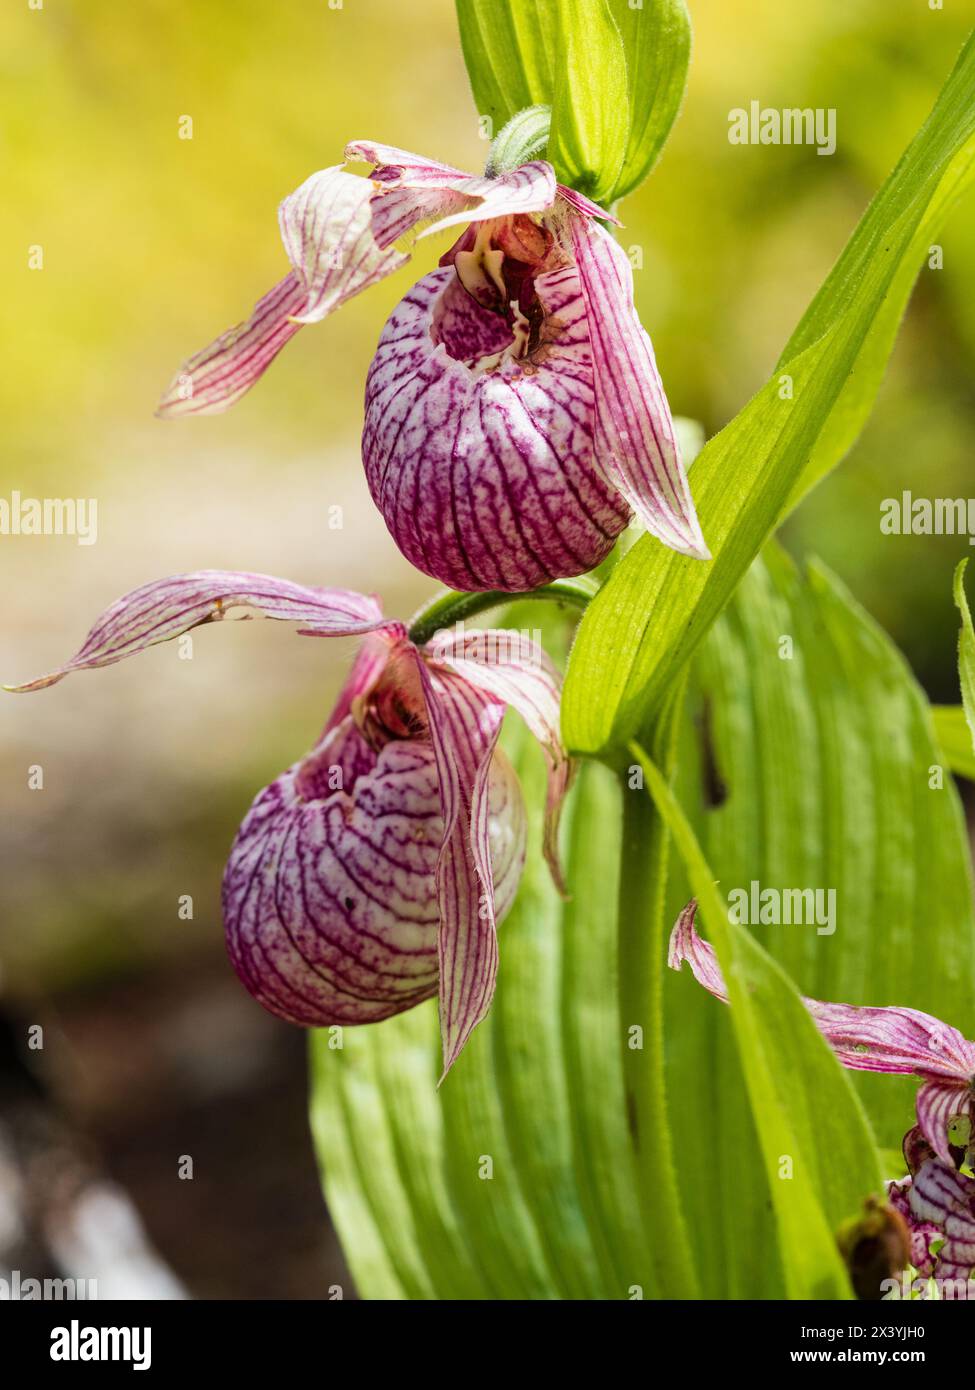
[937,1198]
[373,873]
[514,415]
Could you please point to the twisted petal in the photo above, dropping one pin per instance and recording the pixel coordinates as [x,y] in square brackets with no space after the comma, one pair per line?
[330,910]
[464,724]
[409,181]
[166,608]
[514,669]
[580,203]
[635,442]
[486,478]
[864,1038]
[328,233]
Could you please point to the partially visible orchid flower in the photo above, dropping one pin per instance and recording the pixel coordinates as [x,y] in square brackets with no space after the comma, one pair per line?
[892,1040]
[514,418]
[937,1199]
[374,871]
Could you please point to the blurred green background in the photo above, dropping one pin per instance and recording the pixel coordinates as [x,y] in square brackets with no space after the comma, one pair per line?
[151,245]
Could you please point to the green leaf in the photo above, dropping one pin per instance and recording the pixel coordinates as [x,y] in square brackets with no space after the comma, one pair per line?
[606,1089]
[613,75]
[657,606]
[657,43]
[509,50]
[820,1160]
[966,650]
[590,108]
[806,762]
[954,737]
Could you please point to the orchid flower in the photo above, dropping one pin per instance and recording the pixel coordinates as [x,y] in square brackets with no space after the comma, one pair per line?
[891,1040]
[374,871]
[937,1203]
[937,1199]
[514,415]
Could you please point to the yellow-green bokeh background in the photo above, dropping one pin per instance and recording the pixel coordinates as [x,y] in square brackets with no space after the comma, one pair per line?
[152,244]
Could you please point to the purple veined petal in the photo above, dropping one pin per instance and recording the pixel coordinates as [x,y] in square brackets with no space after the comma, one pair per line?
[464,197]
[513,668]
[891,1040]
[529,188]
[921,1233]
[864,1037]
[687,945]
[327,229]
[938,1103]
[635,441]
[216,377]
[482,465]
[943,1198]
[580,203]
[464,724]
[329,900]
[400,168]
[166,608]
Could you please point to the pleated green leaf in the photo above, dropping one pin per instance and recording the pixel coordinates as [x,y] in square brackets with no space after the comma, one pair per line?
[810,761]
[509,49]
[613,74]
[597,1138]
[657,606]
[590,109]
[657,43]
[818,1153]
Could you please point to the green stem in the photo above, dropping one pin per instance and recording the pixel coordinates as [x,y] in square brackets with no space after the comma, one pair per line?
[452,607]
[642,961]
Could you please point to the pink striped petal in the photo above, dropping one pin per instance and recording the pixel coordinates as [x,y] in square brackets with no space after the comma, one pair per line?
[580,203]
[513,668]
[635,441]
[939,1103]
[687,945]
[327,229]
[943,1198]
[329,898]
[892,1040]
[529,188]
[216,377]
[166,608]
[464,198]
[922,1233]
[486,477]
[464,724]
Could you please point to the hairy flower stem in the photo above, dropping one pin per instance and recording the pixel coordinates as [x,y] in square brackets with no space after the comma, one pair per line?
[642,962]
[452,607]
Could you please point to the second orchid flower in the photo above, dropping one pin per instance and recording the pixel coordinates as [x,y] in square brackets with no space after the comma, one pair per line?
[372,874]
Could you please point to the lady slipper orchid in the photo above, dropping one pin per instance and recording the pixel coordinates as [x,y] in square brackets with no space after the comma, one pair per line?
[937,1198]
[891,1040]
[937,1202]
[514,415]
[374,871]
